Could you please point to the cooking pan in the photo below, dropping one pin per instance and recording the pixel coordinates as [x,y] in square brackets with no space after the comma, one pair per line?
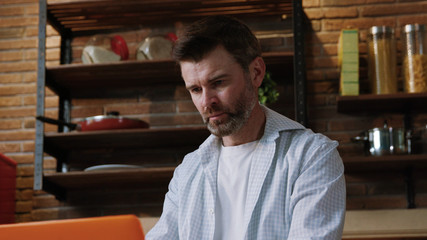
[101,122]
[385,141]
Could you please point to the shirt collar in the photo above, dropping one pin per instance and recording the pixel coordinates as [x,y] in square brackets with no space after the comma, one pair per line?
[275,123]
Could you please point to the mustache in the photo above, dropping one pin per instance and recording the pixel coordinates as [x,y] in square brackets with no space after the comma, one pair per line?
[208,111]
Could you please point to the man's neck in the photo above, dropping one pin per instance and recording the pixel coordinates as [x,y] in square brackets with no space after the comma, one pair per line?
[251,131]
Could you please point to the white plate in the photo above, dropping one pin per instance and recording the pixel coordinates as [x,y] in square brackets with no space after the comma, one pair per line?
[111,167]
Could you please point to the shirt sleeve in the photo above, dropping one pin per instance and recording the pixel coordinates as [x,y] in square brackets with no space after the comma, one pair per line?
[167,226]
[319,196]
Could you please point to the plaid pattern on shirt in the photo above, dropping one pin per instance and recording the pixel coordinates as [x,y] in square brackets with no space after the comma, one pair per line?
[296,188]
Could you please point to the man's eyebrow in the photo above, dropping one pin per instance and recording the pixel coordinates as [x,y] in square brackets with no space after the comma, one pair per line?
[190,87]
[213,79]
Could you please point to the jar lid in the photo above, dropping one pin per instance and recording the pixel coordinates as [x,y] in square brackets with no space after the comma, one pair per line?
[381,29]
[414,28]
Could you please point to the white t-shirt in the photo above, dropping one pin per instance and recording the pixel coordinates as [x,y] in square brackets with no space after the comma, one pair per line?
[233,176]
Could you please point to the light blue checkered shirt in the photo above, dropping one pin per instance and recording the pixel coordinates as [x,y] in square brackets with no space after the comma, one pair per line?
[296,188]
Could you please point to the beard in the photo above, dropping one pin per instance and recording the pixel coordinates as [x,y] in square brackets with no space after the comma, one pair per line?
[237,115]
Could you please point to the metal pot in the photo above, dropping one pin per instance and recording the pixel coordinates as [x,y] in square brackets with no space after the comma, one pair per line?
[102,122]
[419,140]
[385,141]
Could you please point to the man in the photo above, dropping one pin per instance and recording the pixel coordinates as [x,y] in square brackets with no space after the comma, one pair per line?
[259,175]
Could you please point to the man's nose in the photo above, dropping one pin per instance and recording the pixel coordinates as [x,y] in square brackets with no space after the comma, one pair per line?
[209,98]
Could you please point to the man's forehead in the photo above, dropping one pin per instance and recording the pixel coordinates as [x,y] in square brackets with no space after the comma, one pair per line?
[204,70]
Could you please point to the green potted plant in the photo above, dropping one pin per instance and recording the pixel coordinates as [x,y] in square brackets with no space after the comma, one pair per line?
[267,92]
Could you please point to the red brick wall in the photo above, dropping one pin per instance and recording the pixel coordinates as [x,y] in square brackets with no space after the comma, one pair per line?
[378,190]
[18,52]
[18,42]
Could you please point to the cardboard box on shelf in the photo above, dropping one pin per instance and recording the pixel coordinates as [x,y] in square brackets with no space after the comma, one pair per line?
[348,62]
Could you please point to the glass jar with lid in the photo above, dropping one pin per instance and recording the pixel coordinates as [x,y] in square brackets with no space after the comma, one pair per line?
[382,60]
[414,53]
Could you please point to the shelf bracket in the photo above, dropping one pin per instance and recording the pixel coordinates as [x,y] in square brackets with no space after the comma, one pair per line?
[59,192]
[64,114]
[410,191]
[64,99]
[299,63]
[41,74]
[66,49]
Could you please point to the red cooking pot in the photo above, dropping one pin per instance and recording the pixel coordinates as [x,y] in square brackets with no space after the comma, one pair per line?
[102,122]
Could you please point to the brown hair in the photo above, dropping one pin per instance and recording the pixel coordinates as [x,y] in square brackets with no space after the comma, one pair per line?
[204,35]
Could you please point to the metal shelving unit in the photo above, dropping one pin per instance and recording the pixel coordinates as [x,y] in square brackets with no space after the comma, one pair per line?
[88,17]
[403,103]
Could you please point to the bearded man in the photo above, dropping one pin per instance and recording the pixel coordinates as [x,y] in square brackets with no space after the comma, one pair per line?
[259,175]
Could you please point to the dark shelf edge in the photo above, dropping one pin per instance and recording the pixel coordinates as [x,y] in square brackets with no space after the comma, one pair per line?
[59,184]
[118,132]
[59,144]
[397,102]
[354,164]
[269,58]
[100,80]
[111,18]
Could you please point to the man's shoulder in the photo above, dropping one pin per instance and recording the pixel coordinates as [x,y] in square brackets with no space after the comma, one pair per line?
[308,137]
[192,160]
[278,122]
[287,127]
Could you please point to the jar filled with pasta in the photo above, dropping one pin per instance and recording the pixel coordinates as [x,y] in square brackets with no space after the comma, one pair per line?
[414,64]
[382,60]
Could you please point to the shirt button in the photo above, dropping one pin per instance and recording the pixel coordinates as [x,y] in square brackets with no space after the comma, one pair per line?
[211,211]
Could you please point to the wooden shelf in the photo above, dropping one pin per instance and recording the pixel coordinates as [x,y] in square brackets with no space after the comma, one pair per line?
[78,148]
[58,144]
[60,183]
[399,102]
[88,17]
[390,162]
[110,79]
[129,78]
[159,149]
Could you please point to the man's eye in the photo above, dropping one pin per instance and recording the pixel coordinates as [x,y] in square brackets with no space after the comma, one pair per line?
[196,90]
[218,82]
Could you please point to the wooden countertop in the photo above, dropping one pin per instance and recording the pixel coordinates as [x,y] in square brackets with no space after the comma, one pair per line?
[368,224]
[389,224]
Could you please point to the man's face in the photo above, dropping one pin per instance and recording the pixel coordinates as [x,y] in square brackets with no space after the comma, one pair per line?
[221,91]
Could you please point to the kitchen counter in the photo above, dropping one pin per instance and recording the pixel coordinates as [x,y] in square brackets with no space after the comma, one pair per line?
[368,224]
[396,223]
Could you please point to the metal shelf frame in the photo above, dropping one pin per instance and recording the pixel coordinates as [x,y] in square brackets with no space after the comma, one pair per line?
[64,112]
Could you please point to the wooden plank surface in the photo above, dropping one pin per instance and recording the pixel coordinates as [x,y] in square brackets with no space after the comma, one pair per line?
[128,138]
[390,162]
[82,17]
[385,224]
[129,78]
[116,178]
[398,102]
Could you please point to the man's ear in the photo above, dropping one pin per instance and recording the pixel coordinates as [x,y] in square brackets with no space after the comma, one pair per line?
[257,70]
